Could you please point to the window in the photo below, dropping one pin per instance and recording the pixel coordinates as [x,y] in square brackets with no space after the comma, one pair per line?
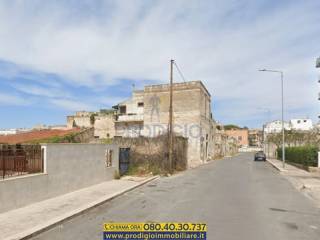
[239,138]
[123,109]
[140,104]
[109,153]
[299,121]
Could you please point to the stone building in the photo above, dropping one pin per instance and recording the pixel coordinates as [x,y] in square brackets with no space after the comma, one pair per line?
[255,137]
[146,113]
[224,145]
[103,122]
[80,119]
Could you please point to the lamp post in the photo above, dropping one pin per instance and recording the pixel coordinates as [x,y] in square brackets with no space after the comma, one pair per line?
[282,112]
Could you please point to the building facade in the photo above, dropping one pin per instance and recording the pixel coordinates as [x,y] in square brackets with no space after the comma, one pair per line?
[146,113]
[130,115]
[302,124]
[275,127]
[241,135]
[103,122]
[318,66]
[255,137]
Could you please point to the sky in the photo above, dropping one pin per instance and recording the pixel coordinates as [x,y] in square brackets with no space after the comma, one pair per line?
[58,57]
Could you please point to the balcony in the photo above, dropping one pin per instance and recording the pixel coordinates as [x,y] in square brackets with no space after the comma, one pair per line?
[130,118]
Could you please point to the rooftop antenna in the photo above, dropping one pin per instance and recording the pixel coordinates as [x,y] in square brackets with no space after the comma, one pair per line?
[133,87]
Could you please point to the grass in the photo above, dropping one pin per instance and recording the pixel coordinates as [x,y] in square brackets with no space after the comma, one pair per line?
[69,138]
[145,168]
[106,140]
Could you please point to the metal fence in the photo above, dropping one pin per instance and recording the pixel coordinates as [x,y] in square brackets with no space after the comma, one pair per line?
[19,159]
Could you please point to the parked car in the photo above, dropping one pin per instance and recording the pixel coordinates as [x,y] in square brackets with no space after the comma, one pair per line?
[260,156]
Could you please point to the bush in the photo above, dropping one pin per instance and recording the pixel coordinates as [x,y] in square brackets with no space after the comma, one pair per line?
[304,155]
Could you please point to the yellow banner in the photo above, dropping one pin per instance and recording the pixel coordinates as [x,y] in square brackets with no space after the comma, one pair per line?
[155,227]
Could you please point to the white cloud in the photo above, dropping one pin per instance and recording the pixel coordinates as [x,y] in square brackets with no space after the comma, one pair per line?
[71,105]
[41,91]
[12,100]
[222,43]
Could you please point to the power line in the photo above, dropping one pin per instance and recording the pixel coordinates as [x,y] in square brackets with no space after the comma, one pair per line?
[179,71]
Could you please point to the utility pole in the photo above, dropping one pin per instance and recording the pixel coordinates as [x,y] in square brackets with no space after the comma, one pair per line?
[282,113]
[282,116]
[170,128]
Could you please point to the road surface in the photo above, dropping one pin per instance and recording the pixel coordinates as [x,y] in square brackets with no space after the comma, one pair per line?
[238,199]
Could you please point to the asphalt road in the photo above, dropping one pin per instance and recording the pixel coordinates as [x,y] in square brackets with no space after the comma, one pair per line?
[238,199]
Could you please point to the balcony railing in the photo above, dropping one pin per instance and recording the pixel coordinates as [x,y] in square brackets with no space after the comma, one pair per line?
[130,118]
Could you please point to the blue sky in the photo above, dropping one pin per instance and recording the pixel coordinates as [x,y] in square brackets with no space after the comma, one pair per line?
[57,57]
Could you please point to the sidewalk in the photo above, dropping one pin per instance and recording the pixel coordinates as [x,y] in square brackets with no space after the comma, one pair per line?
[306,182]
[26,221]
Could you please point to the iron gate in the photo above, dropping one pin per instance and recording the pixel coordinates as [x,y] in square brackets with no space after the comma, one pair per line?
[124,160]
[20,159]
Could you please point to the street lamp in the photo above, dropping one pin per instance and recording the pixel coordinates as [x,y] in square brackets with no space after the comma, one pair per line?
[283,147]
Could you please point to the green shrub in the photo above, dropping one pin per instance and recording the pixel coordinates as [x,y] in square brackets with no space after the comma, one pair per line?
[304,155]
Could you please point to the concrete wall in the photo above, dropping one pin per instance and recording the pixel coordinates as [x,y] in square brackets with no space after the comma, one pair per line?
[68,167]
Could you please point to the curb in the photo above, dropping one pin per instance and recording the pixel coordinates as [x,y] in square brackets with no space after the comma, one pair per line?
[276,167]
[58,220]
[311,186]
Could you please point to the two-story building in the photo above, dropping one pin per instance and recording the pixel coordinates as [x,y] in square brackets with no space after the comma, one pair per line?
[146,113]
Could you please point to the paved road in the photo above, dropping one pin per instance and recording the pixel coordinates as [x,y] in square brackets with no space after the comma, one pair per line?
[238,199]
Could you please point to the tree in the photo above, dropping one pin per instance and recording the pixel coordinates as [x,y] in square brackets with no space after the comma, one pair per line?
[231,126]
[93,118]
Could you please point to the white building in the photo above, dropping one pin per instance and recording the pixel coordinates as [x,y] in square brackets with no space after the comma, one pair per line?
[275,127]
[13,131]
[8,131]
[130,116]
[302,124]
[299,124]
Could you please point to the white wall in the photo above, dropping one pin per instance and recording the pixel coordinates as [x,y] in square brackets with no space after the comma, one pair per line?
[275,127]
[303,124]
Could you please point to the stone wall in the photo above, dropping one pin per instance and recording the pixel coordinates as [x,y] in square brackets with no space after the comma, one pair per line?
[154,150]
[78,121]
[85,136]
[104,126]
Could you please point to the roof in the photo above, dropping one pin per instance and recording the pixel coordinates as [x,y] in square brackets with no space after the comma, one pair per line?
[35,135]
[178,85]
